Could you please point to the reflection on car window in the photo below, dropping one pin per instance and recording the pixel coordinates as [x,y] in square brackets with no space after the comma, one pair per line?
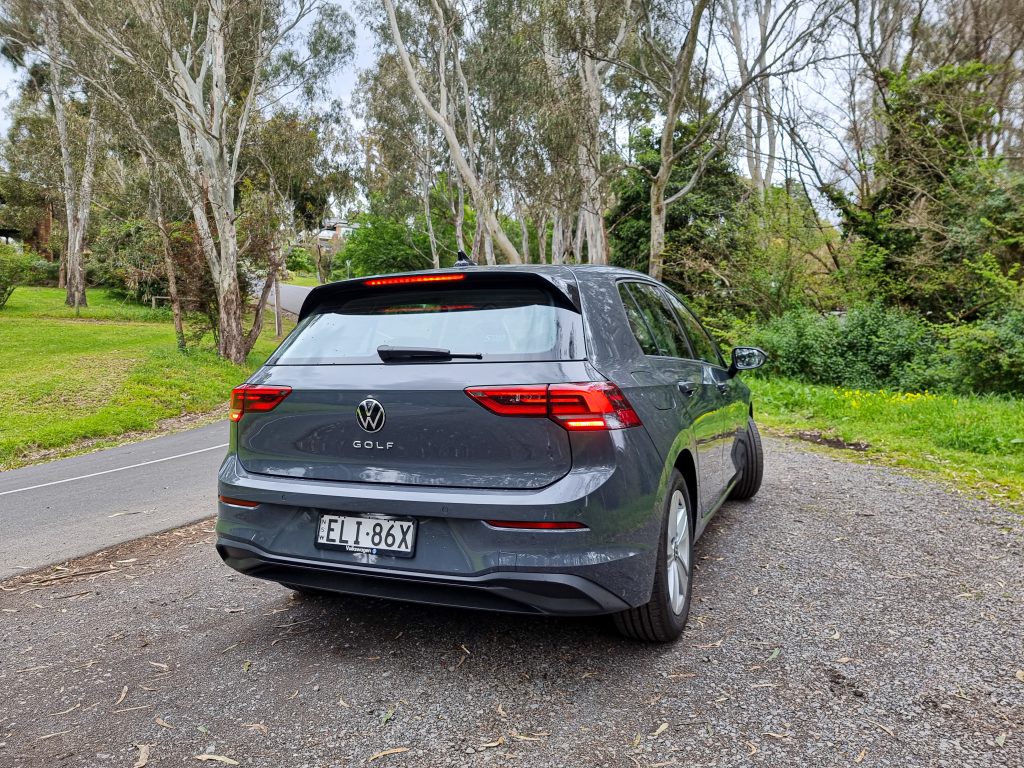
[703,347]
[637,323]
[663,326]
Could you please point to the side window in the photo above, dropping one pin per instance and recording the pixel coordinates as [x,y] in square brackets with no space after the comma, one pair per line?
[663,326]
[637,324]
[703,347]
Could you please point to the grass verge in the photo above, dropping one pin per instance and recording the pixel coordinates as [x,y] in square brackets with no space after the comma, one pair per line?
[113,369]
[975,443]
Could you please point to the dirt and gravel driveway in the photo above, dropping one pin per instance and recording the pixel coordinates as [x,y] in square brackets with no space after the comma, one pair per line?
[848,615]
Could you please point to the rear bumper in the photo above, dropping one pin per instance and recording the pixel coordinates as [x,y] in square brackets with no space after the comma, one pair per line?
[459,559]
[530,593]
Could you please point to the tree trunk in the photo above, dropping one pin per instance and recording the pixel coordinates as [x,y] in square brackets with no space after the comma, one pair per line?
[656,268]
[476,190]
[156,212]
[460,216]
[77,189]
[425,191]
[542,239]
[524,238]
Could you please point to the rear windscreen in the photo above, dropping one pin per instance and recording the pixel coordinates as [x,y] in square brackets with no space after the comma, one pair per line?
[500,323]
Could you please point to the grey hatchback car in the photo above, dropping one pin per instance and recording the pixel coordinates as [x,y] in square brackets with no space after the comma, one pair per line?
[535,439]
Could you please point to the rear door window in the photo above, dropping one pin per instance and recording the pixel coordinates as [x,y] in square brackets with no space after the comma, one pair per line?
[703,347]
[658,319]
[499,322]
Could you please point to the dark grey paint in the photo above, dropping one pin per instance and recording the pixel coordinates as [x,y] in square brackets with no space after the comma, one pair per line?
[459,465]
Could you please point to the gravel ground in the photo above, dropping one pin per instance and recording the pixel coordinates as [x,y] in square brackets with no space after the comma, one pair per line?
[849,615]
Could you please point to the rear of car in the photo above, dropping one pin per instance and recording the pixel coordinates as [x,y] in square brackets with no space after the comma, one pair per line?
[443,437]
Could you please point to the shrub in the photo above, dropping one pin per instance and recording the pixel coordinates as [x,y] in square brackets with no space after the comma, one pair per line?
[299,260]
[984,357]
[872,347]
[16,268]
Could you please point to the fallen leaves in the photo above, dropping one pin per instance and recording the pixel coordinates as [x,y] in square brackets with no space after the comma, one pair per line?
[660,730]
[124,694]
[492,744]
[774,654]
[1020,675]
[260,727]
[162,723]
[143,755]
[54,735]
[386,752]
[65,711]
[860,757]
[779,736]
[216,759]
[881,727]
[529,737]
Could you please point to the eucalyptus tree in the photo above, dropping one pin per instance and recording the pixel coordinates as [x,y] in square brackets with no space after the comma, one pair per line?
[446,75]
[683,56]
[212,65]
[31,27]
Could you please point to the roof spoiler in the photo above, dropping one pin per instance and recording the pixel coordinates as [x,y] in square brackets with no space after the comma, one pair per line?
[333,293]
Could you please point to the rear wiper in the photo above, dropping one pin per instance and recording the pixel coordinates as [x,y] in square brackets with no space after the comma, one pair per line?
[422,353]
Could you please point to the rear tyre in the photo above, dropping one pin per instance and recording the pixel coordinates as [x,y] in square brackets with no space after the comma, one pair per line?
[662,619]
[752,470]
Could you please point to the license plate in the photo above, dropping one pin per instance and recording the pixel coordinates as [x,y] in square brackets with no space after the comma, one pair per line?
[368,535]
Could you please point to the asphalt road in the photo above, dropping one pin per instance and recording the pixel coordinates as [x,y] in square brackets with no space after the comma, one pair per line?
[849,615]
[65,509]
[292,297]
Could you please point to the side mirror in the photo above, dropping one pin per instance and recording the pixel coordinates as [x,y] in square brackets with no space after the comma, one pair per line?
[746,359]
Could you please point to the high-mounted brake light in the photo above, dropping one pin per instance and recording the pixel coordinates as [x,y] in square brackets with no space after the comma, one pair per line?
[255,398]
[540,525]
[583,407]
[379,281]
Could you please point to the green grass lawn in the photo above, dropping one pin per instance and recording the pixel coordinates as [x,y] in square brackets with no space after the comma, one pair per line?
[114,369]
[977,443]
[309,281]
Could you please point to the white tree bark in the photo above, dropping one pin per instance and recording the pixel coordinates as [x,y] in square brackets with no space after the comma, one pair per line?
[77,188]
[468,174]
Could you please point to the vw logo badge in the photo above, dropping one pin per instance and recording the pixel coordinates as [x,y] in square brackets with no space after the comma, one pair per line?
[370,415]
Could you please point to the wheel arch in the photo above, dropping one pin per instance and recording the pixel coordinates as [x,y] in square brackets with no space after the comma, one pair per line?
[688,469]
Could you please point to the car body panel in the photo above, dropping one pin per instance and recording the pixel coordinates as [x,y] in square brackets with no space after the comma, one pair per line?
[299,463]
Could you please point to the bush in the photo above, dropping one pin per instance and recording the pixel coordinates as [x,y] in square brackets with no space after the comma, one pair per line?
[872,347]
[984,357]
[16,268]
[299,260]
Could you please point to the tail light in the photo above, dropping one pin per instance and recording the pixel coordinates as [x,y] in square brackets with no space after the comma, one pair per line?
[253,398]
[584,407]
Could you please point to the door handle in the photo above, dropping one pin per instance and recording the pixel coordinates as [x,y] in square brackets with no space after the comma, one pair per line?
[687,387]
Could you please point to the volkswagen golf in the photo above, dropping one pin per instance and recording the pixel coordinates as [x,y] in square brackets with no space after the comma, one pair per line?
[534,439]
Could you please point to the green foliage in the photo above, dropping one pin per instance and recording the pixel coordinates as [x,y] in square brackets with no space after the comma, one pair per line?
[977,442]
[299,260]
[701,229]
[876,347]
[16,268]
[382,244]
[943,230]
[987,356]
